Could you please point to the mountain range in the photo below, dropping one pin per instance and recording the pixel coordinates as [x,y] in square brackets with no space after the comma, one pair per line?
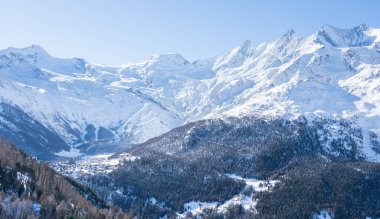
[55,107]
[282,129]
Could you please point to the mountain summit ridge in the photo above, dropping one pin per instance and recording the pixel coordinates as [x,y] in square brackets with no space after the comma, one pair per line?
[350,37]
[331,72]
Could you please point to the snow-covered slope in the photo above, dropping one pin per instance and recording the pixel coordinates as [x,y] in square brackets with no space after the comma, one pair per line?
[334,71]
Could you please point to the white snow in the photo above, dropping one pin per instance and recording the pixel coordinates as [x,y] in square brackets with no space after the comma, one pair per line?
[24,178]
[257,185]
[91,165]
[324,214]
[74,152]
[196,207]
[334,71]
[247,201]
[152,201]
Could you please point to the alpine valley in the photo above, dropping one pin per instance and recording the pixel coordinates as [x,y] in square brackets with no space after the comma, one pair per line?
[283,129]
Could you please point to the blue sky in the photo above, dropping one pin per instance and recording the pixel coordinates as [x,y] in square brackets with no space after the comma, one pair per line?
[114,32]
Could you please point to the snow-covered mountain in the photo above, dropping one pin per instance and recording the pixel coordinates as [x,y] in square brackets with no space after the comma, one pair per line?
[87,107]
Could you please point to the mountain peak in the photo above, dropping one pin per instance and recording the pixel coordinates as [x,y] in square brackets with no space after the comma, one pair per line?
[30,50]
[362,27]
[358,29]
[236,56]
[245,45]
[35,48]
[340,37]
[290,32]
[169,59]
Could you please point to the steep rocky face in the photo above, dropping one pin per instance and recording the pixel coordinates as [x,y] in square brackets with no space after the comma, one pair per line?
[332,72]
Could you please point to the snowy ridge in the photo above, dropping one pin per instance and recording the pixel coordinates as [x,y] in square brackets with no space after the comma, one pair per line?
[332,72]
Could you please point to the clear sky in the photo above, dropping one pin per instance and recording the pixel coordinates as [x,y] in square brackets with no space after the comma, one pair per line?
[115,32]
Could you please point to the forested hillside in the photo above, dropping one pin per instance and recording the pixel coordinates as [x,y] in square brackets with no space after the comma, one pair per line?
[31,189]
[247,167]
